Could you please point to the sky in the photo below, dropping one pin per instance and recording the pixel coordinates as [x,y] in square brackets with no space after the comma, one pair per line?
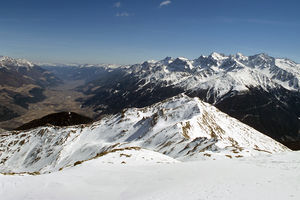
[132,31]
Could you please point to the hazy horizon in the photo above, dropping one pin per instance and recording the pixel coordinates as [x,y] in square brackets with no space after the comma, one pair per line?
[137,62]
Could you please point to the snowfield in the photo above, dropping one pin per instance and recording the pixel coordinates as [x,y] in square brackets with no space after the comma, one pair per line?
[266,177]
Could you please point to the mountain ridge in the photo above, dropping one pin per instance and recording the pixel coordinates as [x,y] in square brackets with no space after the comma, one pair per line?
[180,127]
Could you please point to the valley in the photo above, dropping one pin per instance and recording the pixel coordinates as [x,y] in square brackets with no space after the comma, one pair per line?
[62,97]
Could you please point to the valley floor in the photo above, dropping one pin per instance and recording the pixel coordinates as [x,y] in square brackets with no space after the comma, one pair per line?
[266,177]
[58,99]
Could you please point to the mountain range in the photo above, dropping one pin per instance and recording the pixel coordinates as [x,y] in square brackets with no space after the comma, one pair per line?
[260,91]
[159,129]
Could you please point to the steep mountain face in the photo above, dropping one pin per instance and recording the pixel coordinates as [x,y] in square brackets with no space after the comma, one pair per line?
[21,82]
[180,127]
[258,90]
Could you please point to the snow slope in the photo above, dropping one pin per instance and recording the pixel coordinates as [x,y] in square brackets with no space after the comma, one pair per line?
[181,127]
[274,177]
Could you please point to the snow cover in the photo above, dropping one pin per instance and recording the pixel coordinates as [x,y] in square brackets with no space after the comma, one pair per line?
[275,177]
[7,62]
[220,73]
[181,128]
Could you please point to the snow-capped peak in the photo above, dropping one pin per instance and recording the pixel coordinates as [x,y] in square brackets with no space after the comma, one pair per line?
[165,61]
[22,62]
[263,56]
[181,64]
[218,56]
[183,58]
[221,74]
[151,61]
[240,56]
[181,127]
[9,62]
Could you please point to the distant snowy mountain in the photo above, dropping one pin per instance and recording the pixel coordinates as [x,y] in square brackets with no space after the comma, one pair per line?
[180,127]
[220,74]
[7,62]
[18,72]
[249,88]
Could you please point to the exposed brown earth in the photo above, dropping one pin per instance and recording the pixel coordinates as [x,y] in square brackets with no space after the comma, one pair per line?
[57,99]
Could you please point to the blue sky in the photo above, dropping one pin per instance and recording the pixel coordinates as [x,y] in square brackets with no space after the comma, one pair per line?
[131,31]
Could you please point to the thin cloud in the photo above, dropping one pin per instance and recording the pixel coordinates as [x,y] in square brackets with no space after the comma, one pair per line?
[165,3]
[123,14]
[117,4]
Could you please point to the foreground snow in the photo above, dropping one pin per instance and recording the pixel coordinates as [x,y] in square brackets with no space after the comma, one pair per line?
[265,177]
